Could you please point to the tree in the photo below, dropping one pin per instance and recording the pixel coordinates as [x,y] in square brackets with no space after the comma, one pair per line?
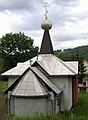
[1,63]
[82,69]
[15,48]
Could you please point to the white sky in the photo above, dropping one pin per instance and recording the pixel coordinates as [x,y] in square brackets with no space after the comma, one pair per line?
[69,19]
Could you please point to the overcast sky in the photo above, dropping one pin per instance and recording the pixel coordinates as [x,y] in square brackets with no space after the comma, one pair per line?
[69,19]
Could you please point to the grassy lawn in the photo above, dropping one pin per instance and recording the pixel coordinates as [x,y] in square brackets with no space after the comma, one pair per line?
[82,110]
[81,113]
[3,107]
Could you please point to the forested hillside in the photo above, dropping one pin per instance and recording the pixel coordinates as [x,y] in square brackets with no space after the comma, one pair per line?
[70,54]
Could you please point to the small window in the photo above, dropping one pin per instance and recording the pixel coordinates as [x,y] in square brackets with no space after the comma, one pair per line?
[84,83]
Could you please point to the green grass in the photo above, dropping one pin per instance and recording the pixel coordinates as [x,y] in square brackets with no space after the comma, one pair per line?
[82,110]
[3,86]
[81,113]
[3,106]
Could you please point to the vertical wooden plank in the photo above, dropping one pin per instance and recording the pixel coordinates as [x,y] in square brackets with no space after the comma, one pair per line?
[73,92]
[76,92]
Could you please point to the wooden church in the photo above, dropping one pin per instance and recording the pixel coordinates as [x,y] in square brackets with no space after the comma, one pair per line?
[44,84]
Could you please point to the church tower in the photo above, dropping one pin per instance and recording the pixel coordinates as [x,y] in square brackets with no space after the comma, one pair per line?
[46,46]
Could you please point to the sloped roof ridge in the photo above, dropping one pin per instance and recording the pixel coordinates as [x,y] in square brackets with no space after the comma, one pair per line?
[46,80]
[17,70]
[41,66]
[70,63]
[61,61]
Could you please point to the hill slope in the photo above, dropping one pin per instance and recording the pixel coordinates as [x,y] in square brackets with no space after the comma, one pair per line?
[69,53]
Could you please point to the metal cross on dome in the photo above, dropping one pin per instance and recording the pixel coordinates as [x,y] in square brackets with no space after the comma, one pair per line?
[46,11]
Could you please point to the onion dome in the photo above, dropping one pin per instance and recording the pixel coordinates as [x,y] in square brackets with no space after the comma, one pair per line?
[46,24]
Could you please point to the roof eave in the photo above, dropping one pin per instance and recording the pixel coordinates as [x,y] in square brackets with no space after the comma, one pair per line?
[14,84]
[63,75]
[10,75]
[36,96]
